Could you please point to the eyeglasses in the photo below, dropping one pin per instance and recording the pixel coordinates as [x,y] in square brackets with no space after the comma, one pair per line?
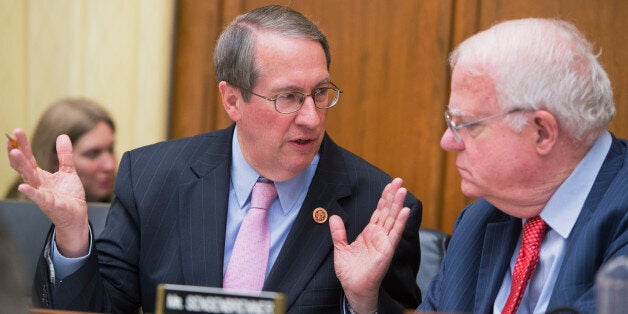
[454,127]
[324,98]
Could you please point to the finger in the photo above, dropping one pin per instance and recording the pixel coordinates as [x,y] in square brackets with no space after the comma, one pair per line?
[378,210]
[399,225]
[44,199]
[34,194]
[383,205]
[338,231]
[20,164]
[389,208]
[395,206]
[13,157]
[25,146]
[395,185]
[11,145]
[64,153]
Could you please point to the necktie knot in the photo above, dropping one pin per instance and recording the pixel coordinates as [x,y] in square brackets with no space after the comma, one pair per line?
[264,193]
[533,231]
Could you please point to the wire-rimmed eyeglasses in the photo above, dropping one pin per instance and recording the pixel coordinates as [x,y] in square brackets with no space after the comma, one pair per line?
[455,127]
[324,98]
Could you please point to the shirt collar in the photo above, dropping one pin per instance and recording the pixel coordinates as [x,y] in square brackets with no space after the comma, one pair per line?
[288,191]
[563,208]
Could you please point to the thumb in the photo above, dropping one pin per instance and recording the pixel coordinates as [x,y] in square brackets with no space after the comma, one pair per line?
[338,231]
[64,153]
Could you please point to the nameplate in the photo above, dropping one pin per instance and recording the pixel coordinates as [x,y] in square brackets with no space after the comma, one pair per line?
[173,298]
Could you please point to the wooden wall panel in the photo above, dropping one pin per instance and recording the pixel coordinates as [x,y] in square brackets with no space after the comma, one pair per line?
[198,24]
[390,58]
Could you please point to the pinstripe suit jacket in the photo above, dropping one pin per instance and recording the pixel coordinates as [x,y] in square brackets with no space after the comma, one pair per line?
[484,240]
[167,225]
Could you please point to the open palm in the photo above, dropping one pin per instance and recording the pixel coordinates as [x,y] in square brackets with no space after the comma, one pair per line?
[362,265]
[59,195]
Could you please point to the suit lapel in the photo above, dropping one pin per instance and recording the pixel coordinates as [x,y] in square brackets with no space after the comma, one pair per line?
[499,244]
[203,212]
[309,243]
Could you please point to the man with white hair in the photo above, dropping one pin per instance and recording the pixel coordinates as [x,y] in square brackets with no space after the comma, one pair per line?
[528,116]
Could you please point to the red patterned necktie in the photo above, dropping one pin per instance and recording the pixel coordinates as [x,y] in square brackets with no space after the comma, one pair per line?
[246,269]
[528,258]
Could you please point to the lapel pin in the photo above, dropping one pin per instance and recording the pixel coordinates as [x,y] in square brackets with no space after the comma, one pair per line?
[319,215]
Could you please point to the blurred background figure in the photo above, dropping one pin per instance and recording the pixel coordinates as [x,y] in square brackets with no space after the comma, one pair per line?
[13,283]
[91,130]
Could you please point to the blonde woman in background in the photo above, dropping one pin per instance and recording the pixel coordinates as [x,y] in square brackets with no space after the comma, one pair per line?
[91,130]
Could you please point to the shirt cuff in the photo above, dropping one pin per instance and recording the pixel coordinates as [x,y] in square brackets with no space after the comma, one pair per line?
[65,266]
[346,307]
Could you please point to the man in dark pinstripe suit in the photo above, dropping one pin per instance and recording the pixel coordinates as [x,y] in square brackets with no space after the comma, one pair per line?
[179,204]
[528,116]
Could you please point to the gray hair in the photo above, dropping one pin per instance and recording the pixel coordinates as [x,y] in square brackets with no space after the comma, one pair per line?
[234,55]
[544,64]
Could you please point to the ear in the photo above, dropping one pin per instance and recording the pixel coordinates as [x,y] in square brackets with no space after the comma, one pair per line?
[546,127]
[231,100]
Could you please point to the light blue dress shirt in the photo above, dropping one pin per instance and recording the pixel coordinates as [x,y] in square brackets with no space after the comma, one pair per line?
[281,213]
[560,214]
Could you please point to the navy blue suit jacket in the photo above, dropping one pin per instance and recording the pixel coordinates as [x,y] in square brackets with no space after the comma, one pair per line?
[484,240]
[167,225]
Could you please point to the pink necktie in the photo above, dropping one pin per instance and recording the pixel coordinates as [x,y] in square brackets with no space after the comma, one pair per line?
[246,269]
[528,258]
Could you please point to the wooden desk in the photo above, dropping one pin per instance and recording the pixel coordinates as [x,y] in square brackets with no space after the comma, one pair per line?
[50,311]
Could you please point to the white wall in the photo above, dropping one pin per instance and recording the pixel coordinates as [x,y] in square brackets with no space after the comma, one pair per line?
[117,52]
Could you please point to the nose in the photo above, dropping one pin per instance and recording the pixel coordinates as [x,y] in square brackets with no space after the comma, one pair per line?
[109,161]
[448,141]
[309,115]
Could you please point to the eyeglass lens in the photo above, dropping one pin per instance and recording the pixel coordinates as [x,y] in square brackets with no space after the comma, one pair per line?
[452,126]
[323,98]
